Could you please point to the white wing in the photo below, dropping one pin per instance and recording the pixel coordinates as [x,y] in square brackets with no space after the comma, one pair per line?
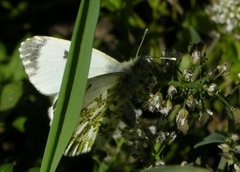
[44,60]
[95,104]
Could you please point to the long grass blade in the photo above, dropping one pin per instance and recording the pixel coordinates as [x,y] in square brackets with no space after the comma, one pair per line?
[73,85]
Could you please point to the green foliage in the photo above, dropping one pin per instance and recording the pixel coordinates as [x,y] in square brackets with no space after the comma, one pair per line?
[213,138]
[177,169]
[6,168]
[10,95]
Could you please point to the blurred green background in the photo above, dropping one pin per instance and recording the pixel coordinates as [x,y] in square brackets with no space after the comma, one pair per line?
[172,25]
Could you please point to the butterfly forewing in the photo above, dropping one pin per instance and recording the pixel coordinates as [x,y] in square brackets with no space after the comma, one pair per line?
[44,61]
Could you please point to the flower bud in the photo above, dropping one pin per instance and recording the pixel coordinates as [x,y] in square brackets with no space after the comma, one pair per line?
[223,67]
[191,102]
[154,102]
[225,147]
[209,112]
[237,149]
[171,91]
[166,107]
[212,89]
[182,120]
[196,55]
[187,74]
[234,137]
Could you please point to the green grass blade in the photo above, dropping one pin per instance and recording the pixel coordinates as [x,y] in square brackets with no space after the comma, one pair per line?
[73,85]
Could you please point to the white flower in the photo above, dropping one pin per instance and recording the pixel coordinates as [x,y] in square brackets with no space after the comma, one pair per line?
[236,167]
[182,120]
[166,107]
[225,147]
[154,102]
[212,89]
[226,13]
[234,137]
[196,54]
[223,68]
[191,102]
[187,74]
[209,112]
[152,129]
[237,149]
[171,91]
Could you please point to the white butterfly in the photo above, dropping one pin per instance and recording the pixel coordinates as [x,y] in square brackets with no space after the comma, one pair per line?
[44,60]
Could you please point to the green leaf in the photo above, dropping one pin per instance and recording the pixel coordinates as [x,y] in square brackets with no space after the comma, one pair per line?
[213,138]
[3,52]
[236,115]
[10,95]
[73,85]
[177,169]
[112,5]
[34,169]
[6,168]
[194,35]
[19,123]
[13,69]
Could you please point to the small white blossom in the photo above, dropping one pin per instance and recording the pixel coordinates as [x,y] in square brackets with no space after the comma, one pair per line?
[234,137]
[191,102]
[139,133]
[223,68]
[236,168]
[171,91]
[184,163]
[154,102]
[167,137]
[166,107]
[153,129]
[225,148]
[209,112]
[212,89]
[138,113]
[159,162]
[187,74]
[237,149]
[196,54]
[182,120]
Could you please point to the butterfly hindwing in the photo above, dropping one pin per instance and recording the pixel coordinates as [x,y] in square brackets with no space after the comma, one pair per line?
[95,105]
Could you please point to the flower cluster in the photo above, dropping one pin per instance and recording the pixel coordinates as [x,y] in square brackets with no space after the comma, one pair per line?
[226,12]
[231,151]
[157,100]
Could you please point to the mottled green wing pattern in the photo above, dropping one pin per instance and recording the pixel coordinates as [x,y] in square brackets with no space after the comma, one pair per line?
[95,104]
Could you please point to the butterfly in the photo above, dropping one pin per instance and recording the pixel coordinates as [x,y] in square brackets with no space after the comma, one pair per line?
[44,59]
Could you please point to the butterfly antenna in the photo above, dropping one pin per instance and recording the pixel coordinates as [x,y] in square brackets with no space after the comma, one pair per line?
[144,35]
